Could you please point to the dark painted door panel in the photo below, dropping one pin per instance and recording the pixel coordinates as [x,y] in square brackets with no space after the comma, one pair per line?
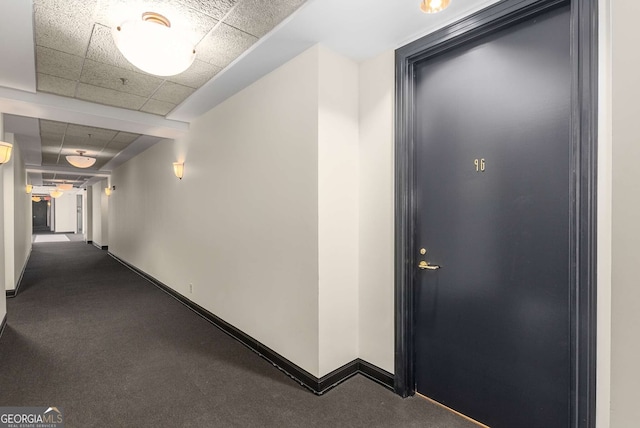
[493,168]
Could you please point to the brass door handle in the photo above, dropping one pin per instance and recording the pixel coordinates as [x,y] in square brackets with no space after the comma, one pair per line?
[424,265]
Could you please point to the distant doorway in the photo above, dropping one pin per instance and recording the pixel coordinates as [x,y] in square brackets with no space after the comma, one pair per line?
[40,216]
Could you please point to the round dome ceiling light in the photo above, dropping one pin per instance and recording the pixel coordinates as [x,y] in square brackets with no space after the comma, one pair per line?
[150,44]
[81,161]
[434,6]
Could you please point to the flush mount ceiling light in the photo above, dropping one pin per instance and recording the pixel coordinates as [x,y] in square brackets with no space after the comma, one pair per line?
[5,152]
[150,44]
[81,161]
[55,193]
[434,6]
[65,186]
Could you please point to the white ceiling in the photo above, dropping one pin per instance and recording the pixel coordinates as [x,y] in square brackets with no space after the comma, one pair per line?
[358,29]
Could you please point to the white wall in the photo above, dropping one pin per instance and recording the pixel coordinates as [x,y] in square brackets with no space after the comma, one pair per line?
[337,210]
[88,214]
[66,216]
[7,172]
[99,220]
[376,196]
[242,225]
[3,298]
[625,215]
[23,224]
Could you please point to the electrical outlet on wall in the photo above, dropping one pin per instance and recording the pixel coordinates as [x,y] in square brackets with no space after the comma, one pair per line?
[190,288]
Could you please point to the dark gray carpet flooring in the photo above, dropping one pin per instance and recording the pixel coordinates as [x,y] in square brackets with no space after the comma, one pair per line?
[88,335]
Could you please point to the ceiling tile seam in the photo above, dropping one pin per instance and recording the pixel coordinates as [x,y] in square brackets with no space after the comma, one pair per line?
[84,58]
[221,21]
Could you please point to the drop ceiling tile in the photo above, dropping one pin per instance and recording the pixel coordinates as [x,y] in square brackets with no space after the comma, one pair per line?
[224,45]
[73,143]
[125,137]
[172,93]
[103,49]
[62,27]
[197,75]
[109,97]
[52,127]
[57,63]
[214,8]
[56,85]
[100,163]
[258,17]
[51,143]
[49,159]
[98,135]
[115,145]
[108,76]
[157,107]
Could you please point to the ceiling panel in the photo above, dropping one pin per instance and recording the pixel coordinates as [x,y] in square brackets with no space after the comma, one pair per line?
[119,79]
[56,85]
[224,45]
[109,97]
[157,107]
[172,93]
[258,17]
[59,64]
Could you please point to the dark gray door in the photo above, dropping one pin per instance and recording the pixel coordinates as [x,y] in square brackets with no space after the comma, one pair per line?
[39,216]
[492,128]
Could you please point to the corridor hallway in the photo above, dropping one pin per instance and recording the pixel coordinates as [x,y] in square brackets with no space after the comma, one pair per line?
[90,336]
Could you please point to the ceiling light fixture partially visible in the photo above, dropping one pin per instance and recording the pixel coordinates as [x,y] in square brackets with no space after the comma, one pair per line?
[434,6]
[65,186]
[55,193]
[81,161]
[36,198]
[150,44]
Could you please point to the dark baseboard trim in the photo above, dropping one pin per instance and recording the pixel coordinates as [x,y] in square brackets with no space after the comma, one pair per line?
[14,292]
[3,324]
[99,247]
[316,385]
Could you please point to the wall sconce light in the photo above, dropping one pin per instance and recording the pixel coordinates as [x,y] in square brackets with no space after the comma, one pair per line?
[5,152]
[109,190]
[178,169]
[434,6]
[29,188]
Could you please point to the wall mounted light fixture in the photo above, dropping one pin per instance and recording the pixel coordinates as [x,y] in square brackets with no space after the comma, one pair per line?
[151,44]
[434,6]
[5,152]
[29,188]
[108,191]
[178,169]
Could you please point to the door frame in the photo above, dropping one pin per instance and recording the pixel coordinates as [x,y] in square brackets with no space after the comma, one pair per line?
[582,185]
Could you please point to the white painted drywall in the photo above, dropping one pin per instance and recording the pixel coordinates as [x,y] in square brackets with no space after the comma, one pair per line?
[625,215]
[9,216]
[376,196]
[3,298]
[22,216]
[66,217]
[99,214]
[603,334]
[88,214]
[337,210]
[242,225]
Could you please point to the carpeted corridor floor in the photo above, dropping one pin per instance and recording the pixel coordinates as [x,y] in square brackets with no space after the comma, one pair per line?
[90,336]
